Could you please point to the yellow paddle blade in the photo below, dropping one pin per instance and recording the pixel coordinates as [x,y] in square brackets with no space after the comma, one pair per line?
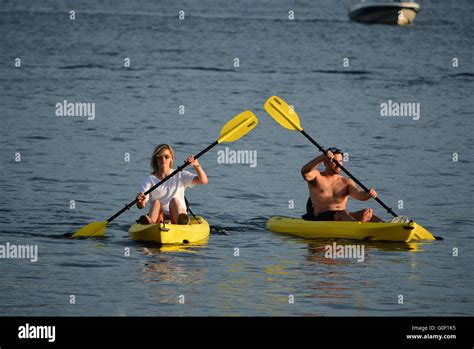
[95,229]
[238,127]
[283,113]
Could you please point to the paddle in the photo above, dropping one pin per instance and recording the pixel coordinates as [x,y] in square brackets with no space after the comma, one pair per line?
[235,129]
[287,117]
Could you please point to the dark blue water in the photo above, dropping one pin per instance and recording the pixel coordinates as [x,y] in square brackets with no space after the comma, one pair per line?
[190,62]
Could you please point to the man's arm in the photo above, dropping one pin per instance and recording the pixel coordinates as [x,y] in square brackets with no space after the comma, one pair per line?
[360,194]
[309,171]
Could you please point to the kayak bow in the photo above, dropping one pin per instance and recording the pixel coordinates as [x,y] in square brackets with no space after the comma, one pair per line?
[197,230]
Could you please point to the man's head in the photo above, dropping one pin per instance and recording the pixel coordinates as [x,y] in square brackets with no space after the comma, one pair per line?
[338,156]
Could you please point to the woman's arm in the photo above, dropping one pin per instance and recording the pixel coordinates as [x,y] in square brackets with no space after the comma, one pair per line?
[201,175]
[141,200]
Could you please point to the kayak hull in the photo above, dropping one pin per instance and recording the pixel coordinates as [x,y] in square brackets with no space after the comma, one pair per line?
[198,230]
[399,232]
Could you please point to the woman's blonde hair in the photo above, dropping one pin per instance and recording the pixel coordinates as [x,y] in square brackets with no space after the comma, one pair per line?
[157,150]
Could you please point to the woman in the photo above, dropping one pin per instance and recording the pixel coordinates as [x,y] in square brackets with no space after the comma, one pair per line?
[167,201]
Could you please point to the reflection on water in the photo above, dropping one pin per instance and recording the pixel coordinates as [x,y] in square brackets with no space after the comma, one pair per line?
[331,282]
[319,245]
[275,270]
[150,249]
[167,267]
[336,282]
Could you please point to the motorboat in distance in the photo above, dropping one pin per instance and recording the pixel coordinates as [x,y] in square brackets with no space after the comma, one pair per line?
[385,12]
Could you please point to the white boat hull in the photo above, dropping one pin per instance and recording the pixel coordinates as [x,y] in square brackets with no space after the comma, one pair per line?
[395,13]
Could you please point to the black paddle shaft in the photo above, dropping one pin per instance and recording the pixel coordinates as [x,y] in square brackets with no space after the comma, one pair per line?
[321,149]
[180,168]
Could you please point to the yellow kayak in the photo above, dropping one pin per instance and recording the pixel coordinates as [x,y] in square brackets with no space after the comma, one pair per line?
[400,232]
[197,230]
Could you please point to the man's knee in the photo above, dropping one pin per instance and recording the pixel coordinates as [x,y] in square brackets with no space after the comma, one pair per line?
[344,216]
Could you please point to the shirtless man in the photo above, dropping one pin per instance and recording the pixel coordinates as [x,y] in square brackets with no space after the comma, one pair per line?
[329,191]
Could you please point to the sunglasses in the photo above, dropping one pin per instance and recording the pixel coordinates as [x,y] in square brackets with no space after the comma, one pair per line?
[335,150]
[166,156]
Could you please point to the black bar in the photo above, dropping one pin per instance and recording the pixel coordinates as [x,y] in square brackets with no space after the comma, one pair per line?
[382,331]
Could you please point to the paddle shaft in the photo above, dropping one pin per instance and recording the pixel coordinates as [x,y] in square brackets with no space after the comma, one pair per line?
[321,149]
[179,169]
